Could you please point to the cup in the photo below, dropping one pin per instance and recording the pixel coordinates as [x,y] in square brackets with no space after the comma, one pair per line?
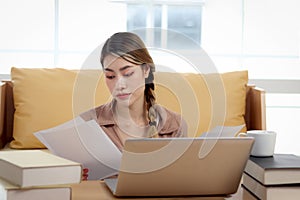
[264,142]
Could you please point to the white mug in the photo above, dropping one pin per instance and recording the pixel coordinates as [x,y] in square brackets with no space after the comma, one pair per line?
[264,142]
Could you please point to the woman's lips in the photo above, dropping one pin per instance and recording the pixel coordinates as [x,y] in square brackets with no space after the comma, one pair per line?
[123,96]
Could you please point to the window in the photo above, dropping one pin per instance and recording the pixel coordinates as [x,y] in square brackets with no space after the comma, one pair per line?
[166,24]
[55,33]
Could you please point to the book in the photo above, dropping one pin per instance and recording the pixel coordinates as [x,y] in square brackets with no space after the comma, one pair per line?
[278,169]
[12,192]
[272,192]
[246,194]
[27,168]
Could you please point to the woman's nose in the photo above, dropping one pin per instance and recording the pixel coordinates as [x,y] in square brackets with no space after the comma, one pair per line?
[121,83]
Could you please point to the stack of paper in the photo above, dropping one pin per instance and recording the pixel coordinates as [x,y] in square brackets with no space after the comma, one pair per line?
[84,142]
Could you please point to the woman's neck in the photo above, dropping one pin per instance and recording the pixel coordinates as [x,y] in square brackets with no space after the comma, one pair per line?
[135,112]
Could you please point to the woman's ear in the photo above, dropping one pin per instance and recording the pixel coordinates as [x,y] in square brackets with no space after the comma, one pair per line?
[146,70]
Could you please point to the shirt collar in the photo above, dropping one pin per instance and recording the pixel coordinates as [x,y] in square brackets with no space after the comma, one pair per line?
[105,114]
[166,123]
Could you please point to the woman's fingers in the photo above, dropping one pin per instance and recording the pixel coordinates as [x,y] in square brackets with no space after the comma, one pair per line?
[85,174]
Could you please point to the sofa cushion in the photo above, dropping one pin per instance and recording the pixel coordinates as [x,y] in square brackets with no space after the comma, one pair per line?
[45,98]
[205,101]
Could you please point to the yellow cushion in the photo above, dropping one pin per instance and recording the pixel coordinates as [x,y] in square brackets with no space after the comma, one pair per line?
[45,98]
[205,101]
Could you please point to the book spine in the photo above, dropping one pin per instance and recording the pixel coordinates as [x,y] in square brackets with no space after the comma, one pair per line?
[60,193]
[11,172]
[255,171]
[3,193]
[254,186]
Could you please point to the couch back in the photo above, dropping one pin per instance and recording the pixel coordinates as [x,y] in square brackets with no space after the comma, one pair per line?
[38,99]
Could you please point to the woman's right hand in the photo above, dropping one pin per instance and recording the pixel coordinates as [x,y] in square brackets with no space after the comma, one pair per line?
[85,174]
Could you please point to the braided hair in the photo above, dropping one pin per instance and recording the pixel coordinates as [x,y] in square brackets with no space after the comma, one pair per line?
[131,48]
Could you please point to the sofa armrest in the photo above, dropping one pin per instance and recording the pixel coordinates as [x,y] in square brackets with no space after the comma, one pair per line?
[255,115]
[7,112]
[2,108]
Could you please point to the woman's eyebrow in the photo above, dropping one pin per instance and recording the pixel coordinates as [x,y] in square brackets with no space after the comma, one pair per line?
[121,69]
[107,69]
[125,67]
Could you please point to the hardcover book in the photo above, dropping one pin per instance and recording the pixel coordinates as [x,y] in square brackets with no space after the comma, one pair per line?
[12,192]
[27,168]
[272,192]
[278,169]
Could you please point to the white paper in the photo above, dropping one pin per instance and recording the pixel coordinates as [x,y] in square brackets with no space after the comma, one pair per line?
[223,131]
[86,143]
[213,135]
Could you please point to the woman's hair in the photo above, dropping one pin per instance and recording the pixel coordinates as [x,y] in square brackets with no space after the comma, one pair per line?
[131,48]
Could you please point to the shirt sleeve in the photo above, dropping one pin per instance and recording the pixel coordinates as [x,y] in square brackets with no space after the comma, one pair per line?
[182,131]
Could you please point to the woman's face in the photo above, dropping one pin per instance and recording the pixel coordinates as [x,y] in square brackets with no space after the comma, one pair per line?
[125,81]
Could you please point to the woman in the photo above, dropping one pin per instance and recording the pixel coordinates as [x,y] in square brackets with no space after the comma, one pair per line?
[133,112]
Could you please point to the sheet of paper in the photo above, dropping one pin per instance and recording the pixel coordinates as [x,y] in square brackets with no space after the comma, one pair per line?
[223,131]
[214,134]
[86,143]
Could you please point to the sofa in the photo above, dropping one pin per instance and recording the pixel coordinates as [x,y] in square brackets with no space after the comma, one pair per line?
[37,99]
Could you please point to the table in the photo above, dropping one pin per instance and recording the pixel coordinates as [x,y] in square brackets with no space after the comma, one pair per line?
[92,190]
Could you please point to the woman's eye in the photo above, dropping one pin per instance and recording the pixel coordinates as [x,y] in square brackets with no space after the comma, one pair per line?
[128,74]
[109,77]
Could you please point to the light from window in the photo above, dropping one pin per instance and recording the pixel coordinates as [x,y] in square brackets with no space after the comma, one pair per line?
[166,26]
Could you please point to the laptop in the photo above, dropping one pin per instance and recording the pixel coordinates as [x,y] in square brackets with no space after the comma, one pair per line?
[181,166]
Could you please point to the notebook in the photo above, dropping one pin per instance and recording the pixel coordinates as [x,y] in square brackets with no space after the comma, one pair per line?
[178,167]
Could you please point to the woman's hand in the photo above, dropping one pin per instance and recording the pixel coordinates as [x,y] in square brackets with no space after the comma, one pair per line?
[85,174]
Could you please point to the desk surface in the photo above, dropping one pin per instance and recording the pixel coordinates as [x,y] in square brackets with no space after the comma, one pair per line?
[90,190]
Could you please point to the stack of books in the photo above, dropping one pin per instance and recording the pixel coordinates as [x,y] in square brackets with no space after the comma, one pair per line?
[276,177]
[36,175]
